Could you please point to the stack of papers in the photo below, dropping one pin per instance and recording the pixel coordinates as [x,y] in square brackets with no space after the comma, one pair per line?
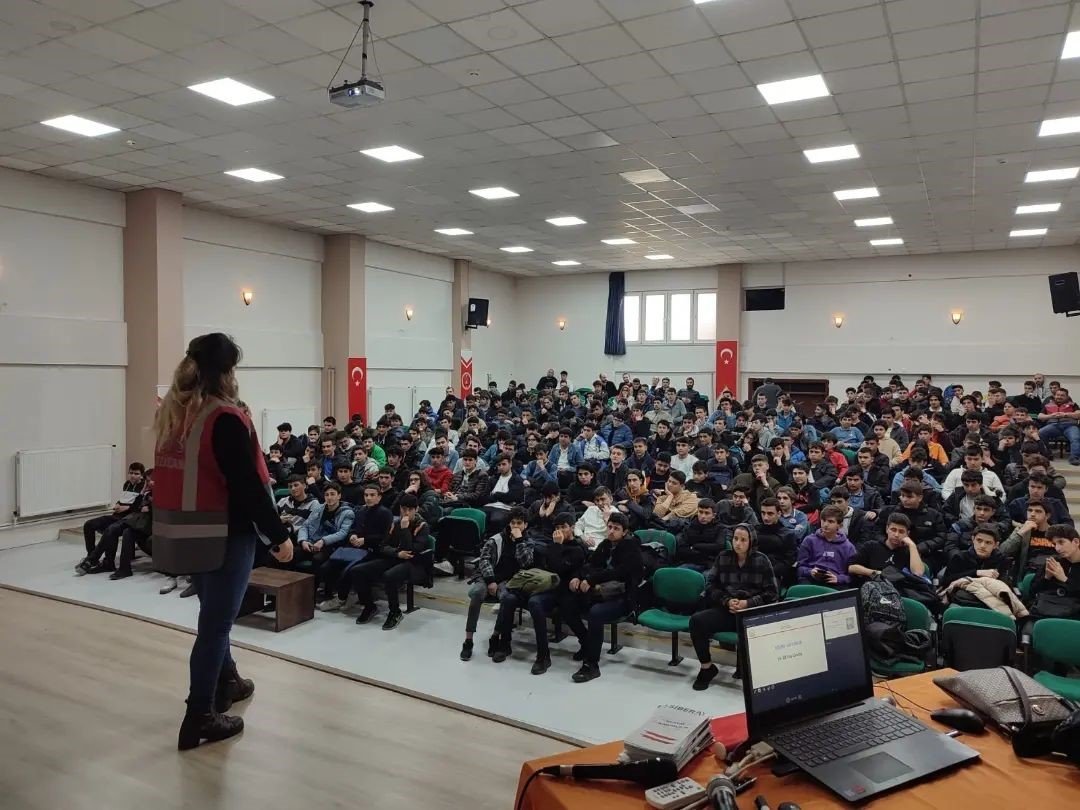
[675,733]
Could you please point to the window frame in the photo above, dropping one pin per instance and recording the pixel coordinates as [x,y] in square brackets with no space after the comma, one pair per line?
[666,340]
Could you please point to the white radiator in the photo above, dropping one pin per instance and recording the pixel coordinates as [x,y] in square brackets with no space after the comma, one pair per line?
[63,479]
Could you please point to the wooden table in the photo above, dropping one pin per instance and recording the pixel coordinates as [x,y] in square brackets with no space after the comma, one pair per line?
[999,780]
[293,592]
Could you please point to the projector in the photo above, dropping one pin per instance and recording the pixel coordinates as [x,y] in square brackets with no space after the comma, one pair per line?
[364,93]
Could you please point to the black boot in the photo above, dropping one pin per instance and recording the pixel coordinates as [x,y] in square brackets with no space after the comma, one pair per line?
[231,689]
[210,727]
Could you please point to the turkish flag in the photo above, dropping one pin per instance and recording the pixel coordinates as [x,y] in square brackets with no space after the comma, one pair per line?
[358,386]
[466,373]
[727,366]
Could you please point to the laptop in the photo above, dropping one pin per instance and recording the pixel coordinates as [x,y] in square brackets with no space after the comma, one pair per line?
[809,694]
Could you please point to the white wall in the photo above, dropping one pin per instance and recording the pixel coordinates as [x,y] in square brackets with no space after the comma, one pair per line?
[579,349]
[403,354]
[896,314]
[495,348]
[63,344]
[281,332]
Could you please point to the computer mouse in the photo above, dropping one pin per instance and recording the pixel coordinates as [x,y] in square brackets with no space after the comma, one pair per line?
[788,806]
[961,719]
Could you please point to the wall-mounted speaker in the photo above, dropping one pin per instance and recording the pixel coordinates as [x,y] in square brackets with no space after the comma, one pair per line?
[477,314]
[1065,292]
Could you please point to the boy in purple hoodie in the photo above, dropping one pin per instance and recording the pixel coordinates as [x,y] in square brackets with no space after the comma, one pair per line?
[824,556]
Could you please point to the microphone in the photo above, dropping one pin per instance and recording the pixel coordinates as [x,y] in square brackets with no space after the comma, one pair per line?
[645,772]
[721,792]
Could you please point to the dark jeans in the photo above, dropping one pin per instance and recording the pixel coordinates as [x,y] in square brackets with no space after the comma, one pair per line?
[128,542]
[576,607]
[105,550]
[478,592]
[220,594]
[539,606]
[704,624]
[396,577]
[93,526]
[363,576]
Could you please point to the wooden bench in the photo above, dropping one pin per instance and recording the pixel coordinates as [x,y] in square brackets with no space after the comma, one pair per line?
[293,592]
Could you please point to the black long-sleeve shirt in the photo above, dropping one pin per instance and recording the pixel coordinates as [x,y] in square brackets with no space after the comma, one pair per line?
[250,502]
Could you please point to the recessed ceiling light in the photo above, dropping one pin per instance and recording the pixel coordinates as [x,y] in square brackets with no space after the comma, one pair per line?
[698,208]
[856,193]
[1072,46]
[80,126]
[1038,208]
[563,222]
[453,232]
[391,154]
[230,91]
[1029,232]
[645,176]
[619,241]
[886,242]
[494,193]
[254,175]
[799,89]
[831,153]
[566,263]
[1060,126]
[371,207]
[1047,175]
[873,222]
[659,257]
[517,249]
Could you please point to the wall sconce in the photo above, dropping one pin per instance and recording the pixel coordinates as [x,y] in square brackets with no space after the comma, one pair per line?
[957,317]
[408,313]
[489,321]
[838,321]
[562,324]
[247,295]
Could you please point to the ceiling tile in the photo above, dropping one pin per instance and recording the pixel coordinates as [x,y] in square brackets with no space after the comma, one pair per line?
[539,110]
[536,57]
[854,54]
[598,44]
[733,16]
[941,39]
[631,9]
[324,30]
[847,26]
[707,53]
[473,70]
[555,17]
[433,45]
[450,10]
[909,15]
[509,91]
[503,29]
[669,28]
[568,80]
[1023,25]
[772,41]
[110,45]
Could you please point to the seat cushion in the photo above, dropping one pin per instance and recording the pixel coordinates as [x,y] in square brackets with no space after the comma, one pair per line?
[729,638]
[899,668]
[665,622]
[1066,687]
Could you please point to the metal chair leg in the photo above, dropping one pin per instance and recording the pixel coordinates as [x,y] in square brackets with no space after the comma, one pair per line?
[676,659]
[615,645]
[410,602]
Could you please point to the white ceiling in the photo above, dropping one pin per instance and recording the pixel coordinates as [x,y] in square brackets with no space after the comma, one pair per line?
[554,99]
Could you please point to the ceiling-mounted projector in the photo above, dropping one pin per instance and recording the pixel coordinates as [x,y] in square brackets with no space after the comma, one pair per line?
[365,92]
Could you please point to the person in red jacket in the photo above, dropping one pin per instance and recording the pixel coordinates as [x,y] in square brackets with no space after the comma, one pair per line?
[439,475]
[212,506]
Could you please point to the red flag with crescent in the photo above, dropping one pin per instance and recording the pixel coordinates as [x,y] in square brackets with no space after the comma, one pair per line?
[466,373]
[358,386]
[727,366]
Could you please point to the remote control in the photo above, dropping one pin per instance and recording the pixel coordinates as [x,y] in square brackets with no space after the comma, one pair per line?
[675,795]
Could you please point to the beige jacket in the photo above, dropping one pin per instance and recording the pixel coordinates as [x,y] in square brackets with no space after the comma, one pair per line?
[684,505]
[996,595]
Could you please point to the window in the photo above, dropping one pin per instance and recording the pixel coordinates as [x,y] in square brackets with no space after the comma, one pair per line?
[706,316]
[681,305]
[687,316]
[632,318]
[654,317]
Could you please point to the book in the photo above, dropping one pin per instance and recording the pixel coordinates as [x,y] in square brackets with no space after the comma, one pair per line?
[672,732]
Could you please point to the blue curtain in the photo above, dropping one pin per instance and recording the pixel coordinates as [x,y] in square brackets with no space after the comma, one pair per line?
[614,333]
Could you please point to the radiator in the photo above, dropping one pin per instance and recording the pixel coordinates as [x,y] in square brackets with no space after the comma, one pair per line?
[63,479]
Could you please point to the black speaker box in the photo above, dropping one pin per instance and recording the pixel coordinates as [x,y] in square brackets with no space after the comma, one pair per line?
[478,312]
[1065,292]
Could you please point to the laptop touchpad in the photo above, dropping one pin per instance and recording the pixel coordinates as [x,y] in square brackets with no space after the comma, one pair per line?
[880,767]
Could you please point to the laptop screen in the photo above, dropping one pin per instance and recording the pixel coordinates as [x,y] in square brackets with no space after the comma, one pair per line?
[801,658]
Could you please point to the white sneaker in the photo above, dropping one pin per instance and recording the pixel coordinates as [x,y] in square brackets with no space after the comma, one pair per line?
[331,604]
[169,586]
[445,566]
[350,600]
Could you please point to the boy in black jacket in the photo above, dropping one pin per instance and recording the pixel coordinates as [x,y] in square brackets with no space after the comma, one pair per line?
[701,540]
[398,560]
[580,493]
[563,556]
[602,591]
[981,559]
[777,542]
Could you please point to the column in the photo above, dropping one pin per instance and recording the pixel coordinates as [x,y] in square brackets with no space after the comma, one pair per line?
[462,378]
[728,326]
[345,383]
[153,308]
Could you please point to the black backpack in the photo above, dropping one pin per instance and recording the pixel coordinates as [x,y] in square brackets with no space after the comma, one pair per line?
[881,604]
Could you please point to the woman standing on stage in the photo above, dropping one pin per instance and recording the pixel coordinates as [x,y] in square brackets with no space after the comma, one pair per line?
[213,504]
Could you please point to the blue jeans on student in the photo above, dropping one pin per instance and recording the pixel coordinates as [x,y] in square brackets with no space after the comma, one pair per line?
[478,594]
[1063,431]
[598,615]
[539,606]
[220,594]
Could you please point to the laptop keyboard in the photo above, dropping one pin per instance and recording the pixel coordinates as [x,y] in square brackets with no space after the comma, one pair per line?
[816,745]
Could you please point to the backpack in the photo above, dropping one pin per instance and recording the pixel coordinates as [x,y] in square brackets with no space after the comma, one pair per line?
[881,604]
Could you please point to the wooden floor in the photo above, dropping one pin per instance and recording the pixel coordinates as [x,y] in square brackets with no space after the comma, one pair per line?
[90,704]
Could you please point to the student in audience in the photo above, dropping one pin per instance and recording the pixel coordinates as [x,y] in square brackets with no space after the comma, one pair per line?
[502,556]
[538,471]
[295,508]
[469,486]
[983,558]
[327,526]
[1060,419]
[613,474]
[790,517]
[315,481]
[918,463]
[601,592]
[702,539]
[364,468]
[825,555]
[639,458]
[987,510]
[822,471]
[580,493]
[1059,575]
[854,523]
[757,483]
[861,496]
[974,457]
[897,551]
[275,466]
[1038,485]
[1030,543]
[805,496]
[370,528]
[505,489]
[397,561]
[676,506]
[438,474]
[927,526]
[128,495]
[735,510]
[138,527]
[591,446]
[352,492]
[739,579]
[591,527]
[635,501]
[777,542]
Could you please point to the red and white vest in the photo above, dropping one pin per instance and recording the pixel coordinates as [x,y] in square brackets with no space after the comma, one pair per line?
[191,496]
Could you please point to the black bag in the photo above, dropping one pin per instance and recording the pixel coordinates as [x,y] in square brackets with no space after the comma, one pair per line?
[913,587]
[881,604]
[1055,605]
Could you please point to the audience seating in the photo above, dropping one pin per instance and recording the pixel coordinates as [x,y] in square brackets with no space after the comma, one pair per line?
[1057,641]
[918,618]
[972,637]
[804,591]
[658,536]
[461,535]
[429,576]
[678,588]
